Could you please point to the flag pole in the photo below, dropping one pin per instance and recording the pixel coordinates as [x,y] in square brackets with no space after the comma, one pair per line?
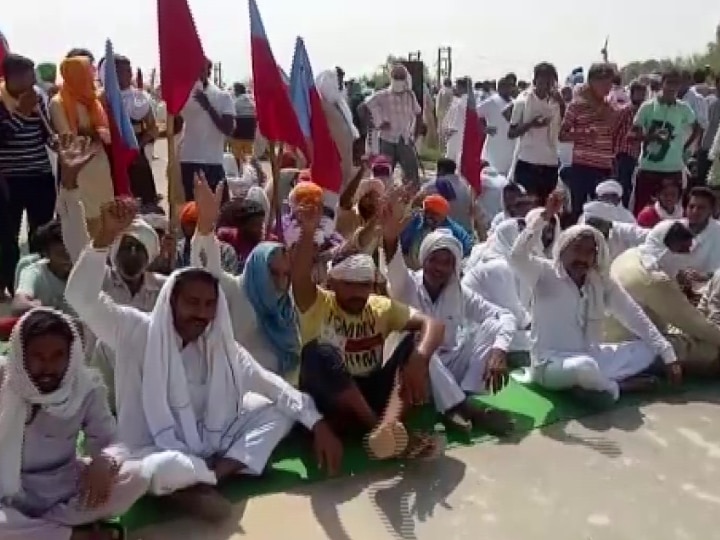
[275,208]
[172,171]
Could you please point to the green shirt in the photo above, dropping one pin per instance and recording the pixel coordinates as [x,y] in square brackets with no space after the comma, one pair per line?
[653,116]
[38,282]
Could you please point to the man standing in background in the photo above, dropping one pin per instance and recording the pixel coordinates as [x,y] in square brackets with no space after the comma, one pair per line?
[499,148]
[243,138]
[709,135]
[395,112]
[442,104]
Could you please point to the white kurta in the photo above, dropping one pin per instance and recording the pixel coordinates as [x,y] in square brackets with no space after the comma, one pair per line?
[270,406]
[563,352]
[704,256]
[454,125]
[472,331]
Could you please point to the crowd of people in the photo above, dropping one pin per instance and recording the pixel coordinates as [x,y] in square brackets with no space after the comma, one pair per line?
[176,364]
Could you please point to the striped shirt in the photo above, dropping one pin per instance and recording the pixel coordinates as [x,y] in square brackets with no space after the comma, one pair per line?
[23,140]
[399,109]
[626,142]
[594,150]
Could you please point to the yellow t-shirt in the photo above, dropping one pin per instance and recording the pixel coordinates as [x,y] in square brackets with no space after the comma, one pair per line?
[360,337]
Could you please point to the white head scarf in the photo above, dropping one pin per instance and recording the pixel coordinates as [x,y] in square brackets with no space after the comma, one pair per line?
[257,194]
[358,268]
[655,255]
[328,87]
[142,232]
[609,187]
[171,421]
[592,307]
[157,221]
[18,394]
[435,241]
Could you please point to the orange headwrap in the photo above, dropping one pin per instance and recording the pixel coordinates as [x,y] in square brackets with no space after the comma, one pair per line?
[78,88]
[437,204]
[189,213]
[305,193]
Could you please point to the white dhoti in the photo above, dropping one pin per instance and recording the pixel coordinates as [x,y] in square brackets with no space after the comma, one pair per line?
[461,370]
[453,149]
[57,522]
[601,369]
[251,441]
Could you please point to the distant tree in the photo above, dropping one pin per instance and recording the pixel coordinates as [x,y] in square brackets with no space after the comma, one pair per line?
[711,57]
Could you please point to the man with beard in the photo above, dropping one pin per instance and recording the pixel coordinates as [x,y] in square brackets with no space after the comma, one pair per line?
[572,293]
[127,280]
[472,357]
[343,331]
[47,398]
[358,209]
[189,398]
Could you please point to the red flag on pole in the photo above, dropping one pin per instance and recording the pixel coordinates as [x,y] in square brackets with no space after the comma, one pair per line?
[182,59]
[276,117]
[471,165]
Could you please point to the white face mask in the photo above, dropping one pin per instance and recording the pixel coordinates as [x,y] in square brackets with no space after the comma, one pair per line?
[397,85]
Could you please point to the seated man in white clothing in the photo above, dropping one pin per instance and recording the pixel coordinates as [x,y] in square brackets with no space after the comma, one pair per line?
[127,278]
[572,293]
[187,393]
[477,334]
[47,397]
[705,254]
[608,204]
[490,275]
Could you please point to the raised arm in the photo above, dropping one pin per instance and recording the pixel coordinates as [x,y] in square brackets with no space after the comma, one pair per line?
[529,265]
[107,320]
[74,153]
[303,253]
[398,274]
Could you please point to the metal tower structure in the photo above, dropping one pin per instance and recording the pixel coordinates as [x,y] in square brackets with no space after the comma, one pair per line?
[444,64]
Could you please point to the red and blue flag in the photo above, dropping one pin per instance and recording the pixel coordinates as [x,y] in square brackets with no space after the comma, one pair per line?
[325,167]
[274,111]
[123,143]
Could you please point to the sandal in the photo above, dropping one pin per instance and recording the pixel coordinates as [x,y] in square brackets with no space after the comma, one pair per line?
[387,441]
[424,447]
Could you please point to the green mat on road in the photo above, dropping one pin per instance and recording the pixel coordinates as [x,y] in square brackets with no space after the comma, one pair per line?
[293,463]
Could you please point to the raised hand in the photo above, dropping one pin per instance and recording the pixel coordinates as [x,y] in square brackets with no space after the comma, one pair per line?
[308,217]
[554,205]
[27,103]
[74,153]
[208,203]
[115,217]
[394,213]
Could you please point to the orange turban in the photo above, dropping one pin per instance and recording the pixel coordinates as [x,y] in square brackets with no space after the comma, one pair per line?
[189,213]
[305,193]
[437,204]
[78,88]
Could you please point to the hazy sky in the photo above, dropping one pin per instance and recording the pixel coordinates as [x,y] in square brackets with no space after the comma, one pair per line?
[488,37]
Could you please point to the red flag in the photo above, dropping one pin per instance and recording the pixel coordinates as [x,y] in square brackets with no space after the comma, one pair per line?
[276,117]
[4,51]
[182,59]
[471,164]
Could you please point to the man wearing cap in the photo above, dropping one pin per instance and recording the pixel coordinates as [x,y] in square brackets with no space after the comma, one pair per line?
[608,204]
[434,215]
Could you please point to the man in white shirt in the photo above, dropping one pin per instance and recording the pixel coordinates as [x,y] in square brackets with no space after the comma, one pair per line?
[208,119]
[395,113]
[698,103]
[443,100]
[535,122]
[191,399]
[499,149]
[572,293]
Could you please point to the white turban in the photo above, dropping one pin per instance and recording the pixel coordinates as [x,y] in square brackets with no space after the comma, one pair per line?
[592,311]
[18,394]
[609,187]
[359,268]
[441,239]
[159,222]
[143,233]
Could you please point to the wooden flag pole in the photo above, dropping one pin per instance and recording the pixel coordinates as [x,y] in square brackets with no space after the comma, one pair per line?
[173,173]
[275,207]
